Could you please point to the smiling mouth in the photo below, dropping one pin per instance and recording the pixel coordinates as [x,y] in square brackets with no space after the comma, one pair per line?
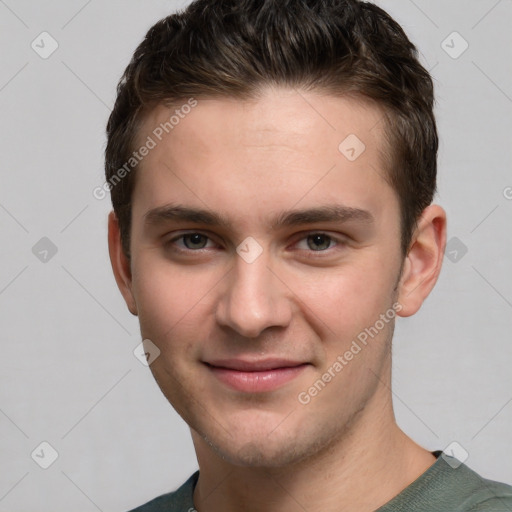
[256,376]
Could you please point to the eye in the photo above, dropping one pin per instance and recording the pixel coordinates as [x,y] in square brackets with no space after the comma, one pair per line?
[320,245]
[193,241]
[314,244]
[318,241]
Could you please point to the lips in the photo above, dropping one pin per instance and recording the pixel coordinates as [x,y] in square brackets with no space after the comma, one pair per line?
[255,376]
[254,366]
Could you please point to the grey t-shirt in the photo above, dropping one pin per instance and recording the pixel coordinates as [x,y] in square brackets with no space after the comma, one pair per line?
[447,486]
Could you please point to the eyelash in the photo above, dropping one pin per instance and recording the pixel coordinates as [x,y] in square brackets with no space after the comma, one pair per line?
[339,242]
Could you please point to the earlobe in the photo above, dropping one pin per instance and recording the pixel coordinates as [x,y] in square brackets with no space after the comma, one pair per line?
[422,264]
[120,263]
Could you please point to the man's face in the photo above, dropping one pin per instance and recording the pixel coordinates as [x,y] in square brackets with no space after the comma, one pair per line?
[229,312]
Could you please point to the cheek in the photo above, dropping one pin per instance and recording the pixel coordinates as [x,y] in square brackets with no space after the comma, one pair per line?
[351,297]
[169,299]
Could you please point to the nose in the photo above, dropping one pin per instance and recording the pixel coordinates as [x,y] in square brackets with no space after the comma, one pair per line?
[253,298]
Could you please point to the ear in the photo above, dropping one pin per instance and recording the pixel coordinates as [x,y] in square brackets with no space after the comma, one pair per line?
[423,262]
[120,263]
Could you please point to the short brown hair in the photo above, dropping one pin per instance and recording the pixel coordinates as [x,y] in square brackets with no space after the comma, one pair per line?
[232,48]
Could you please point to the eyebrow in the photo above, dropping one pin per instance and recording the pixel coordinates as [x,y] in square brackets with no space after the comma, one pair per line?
[327,213]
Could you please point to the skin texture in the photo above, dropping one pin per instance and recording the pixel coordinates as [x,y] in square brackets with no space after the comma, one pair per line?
[301,299]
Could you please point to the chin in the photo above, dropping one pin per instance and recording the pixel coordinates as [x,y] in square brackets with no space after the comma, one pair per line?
[261,450]
[258,454]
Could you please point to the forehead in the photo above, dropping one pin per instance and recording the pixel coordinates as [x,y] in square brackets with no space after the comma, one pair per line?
[276,115]
[285,146]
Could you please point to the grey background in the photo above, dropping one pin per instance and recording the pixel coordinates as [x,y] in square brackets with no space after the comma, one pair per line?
[68,373]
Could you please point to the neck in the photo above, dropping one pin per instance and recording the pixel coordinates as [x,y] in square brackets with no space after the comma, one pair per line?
[371,462]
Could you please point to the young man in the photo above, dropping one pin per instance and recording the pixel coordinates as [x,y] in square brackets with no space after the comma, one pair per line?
[272,165]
